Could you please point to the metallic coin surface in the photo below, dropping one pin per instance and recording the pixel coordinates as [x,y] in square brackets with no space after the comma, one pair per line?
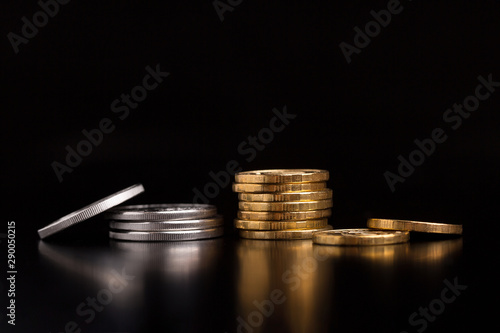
[287,196]
[287,187]
[280,225]
[292,206]
[91,210]
[280,216]
[162,212]
[429,227]
[176,235]
[363,236]
[208,223]
[282,176]
[289,234]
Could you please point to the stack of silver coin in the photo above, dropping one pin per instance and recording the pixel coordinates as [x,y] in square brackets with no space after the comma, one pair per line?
[164,222]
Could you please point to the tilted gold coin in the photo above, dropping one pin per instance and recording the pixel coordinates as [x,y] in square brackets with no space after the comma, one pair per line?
[287,187]
[280,216]
[429,227]
[287,196]
[361,236]
[282,234]
[280,225]
[292,206]
[282,176]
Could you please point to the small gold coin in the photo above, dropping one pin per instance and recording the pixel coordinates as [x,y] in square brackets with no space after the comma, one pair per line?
[362,236]
[429,227]
[282,234]
[282,176]
[280,225]
[280,216]
[287,196]
[292,206]
[288,187]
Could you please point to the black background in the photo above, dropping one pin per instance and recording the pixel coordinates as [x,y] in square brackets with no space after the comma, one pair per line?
[225,79]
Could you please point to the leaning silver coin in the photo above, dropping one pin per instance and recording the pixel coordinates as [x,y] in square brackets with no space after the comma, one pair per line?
[191,224]
[176,235]
[162,212]
[91,210]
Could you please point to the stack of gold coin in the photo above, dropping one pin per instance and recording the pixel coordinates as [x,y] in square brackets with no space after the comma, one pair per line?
[282,203]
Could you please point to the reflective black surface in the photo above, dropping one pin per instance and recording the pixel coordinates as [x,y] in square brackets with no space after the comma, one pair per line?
[239,285]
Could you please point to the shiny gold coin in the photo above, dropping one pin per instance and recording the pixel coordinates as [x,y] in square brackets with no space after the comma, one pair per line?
[289,234]
[282,176]
[280,216]
[288,187]
[280,225]
[429,227]
[287,196]
[361,236]
[291,206]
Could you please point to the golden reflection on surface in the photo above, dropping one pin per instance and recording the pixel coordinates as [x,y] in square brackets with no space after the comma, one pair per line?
[436,251]
[380,253]
[430,252]
[290,269]
[303,274]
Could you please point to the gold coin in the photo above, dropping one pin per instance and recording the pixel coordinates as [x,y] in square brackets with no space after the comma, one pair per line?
[282,234]
[280,216]
[282,176]
[287,196]
[291,206]
[430,227]
[288,187]
[361,236]
[280,225]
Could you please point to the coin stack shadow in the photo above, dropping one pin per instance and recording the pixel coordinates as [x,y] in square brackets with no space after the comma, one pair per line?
[282,210]
[165,222]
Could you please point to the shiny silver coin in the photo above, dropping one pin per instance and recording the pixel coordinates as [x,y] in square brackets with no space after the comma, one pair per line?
[162,212]
[91,210]
[177,235]
[208,223]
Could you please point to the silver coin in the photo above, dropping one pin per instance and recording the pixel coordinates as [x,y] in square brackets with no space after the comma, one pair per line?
[176,235]
[162,212]
[208,223]
[91,210]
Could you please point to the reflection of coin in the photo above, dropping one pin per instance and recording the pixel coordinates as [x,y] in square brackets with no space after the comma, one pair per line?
[285,206]
[289,187]
[91,210]
[282,176]
[433,252]
[280,216]
[280,225]
[281,234]
[287,196]
[360,237]
[430,227]
[177,235]
[436,251]
[162,212]
[167,225]
[382,254]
